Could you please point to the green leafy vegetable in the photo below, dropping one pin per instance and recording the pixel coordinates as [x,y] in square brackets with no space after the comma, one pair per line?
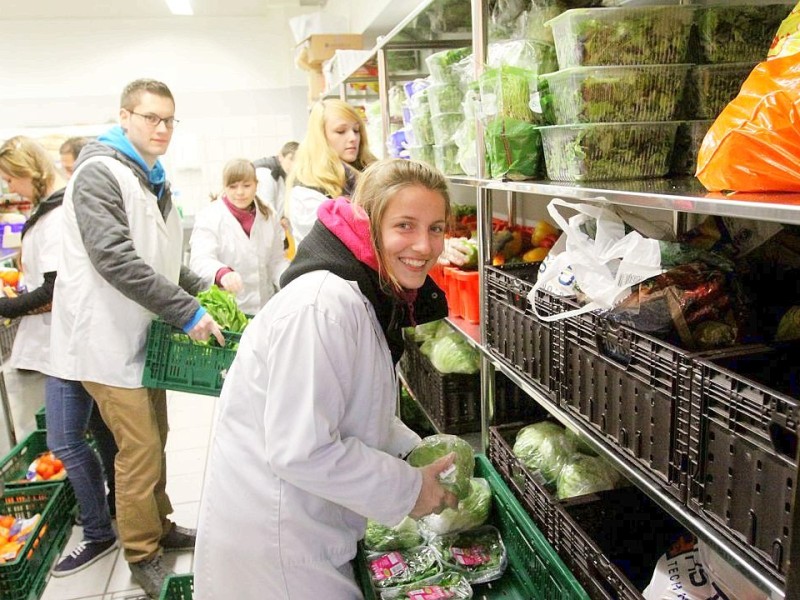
[712,87]
[453,354]
[403,567]
[477,553]
[432,448]
[445,98]
[445,585]
[738,32]
[586,475]
[222,307]
[472,512]
[513,149]
[381,538]
[545,447]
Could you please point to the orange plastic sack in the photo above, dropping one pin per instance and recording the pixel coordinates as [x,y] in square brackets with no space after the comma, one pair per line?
[754,144]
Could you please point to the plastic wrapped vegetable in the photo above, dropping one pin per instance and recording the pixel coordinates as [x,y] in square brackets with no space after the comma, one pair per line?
[403,567]
[553,453]
[381,538]
[477,553]
[789,326]
[530,438]
[513,149]
[472,512]
[429,331]
[433,447]
[586,474]
[453,354]
[446,585]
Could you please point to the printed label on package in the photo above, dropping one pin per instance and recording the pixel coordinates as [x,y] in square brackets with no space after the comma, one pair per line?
[470,557]
[387,566]
[431,592]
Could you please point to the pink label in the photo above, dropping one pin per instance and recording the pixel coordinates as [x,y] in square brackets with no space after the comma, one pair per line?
[431,592]
[469,557]
[388,565]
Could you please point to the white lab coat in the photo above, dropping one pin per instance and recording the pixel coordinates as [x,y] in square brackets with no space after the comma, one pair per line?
[98,334]
[302,210]
[218,241]
[306,446]
[271,190]
[41,249]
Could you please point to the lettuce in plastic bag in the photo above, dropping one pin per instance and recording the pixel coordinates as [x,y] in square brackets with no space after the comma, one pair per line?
[433,447]
[403,567]
[529,438]
[586,475]
[545,447]
[477,553]
[473,511]
[381,538]
[453,354]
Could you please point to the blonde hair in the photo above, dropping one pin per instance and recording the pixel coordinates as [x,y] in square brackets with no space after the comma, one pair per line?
[384,179]
[241,169]
[21,156]
[316,164]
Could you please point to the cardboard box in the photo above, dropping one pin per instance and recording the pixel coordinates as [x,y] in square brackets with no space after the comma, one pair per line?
[316,85]
[316,49]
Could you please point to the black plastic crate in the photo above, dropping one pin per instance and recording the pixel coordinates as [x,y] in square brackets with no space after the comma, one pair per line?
[452,401]
[633,389]
[746,413]
[513,333]
[595,570]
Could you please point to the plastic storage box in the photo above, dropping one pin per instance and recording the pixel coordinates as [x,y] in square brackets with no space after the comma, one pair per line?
[445,98]
[24,578]
[178,587]
[647,35]
[8,331]
[422,154]
[616,94]
[608,151]
[442,65]
[738,32]
[175,362]
[422,129]
[745,412]
[445,126]
[585,530]
[688,140]
[534,572]
[712,87]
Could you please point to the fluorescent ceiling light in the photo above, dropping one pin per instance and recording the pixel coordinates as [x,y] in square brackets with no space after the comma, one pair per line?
[180,7]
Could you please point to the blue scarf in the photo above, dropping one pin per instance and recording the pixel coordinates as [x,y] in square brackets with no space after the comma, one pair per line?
[116,138]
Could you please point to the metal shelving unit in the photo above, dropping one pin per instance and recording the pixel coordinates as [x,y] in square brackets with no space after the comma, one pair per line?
[680,197]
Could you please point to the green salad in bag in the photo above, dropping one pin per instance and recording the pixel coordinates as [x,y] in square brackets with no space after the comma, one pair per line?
[477,553]
[382,538]
[434,447]
[445,585]
[403,567]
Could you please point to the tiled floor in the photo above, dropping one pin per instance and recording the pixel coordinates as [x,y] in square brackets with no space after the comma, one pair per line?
[190,418]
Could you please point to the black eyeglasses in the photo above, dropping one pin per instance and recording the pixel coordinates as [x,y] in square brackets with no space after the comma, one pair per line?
[154,120]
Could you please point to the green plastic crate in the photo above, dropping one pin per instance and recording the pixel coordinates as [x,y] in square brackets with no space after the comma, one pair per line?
[178,587]
[41,419]
[535,572]
[174,363]
[25,577]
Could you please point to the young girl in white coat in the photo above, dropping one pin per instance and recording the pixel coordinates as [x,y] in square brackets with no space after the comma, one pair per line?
[237,241]
[307,445]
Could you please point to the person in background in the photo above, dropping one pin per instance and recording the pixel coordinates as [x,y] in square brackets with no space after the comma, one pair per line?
[237,241]
[69,152]
[334,150]
[30,172]
[271,173]
[307,445]
[120,268]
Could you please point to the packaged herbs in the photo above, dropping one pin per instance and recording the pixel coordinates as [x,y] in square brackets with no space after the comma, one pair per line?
[615,94]
[446,159]
[506,93]
[532,55]
[422,128]
[607,151]
[422,153]
[738,32]
[445,126]
[403,567]
[477,553]
[711,87]
[445,98]
[513,149]
[446,585]
[645,35]
[442,65]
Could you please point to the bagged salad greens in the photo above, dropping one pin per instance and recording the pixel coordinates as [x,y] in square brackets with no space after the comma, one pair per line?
[401,567]
[449,66]
[477,553]
[452,353]
[473,511]
[545,447]
[445,585]
[433,447]
[585,474]
[427,331]
[513,149]
[530,55]
[381,538]
[506,93]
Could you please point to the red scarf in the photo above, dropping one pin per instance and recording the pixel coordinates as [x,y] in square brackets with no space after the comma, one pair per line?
[245,216]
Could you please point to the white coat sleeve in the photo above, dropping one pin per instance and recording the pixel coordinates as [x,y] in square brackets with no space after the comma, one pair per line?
[402,440]
[205,246]
[308,399]
[49,242]
[303,206]
[277,257]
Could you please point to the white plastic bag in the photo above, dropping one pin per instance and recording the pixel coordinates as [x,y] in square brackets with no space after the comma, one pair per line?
[604,267]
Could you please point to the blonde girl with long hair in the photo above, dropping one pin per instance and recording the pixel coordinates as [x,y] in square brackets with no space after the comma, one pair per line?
[327,162]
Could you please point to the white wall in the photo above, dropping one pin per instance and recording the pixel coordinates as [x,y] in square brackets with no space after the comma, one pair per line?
[236,88]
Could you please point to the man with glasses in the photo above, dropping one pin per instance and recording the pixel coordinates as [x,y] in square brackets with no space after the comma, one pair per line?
[121,268]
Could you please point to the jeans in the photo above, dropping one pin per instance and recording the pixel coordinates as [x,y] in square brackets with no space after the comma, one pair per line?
[107,449]
[68,407]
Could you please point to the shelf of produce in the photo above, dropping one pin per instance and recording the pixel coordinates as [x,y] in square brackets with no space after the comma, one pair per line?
[667,502]
[683,195]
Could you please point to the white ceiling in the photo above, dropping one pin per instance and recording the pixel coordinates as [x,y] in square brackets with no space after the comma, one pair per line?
[107,9]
